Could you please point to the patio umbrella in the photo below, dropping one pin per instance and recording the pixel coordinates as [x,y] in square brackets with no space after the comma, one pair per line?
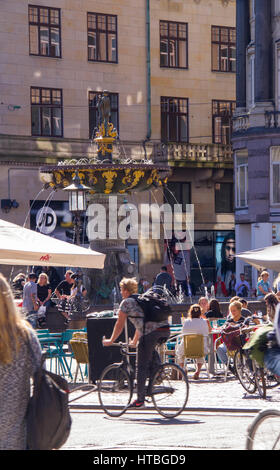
[22,246]
[268,257]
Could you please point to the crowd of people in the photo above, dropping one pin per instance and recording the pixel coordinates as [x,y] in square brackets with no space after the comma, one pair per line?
[43,288]
[17,339]
[164,280]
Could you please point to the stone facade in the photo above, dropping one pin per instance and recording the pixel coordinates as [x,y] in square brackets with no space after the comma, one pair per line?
[139,81]
[256,136]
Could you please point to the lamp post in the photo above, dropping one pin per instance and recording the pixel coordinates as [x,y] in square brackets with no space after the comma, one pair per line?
[77,203]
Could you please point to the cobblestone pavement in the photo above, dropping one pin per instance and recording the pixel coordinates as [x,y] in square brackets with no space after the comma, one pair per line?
[213,393]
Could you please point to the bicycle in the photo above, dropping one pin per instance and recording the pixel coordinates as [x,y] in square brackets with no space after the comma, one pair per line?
[168,387]
[252,375]
[264,432]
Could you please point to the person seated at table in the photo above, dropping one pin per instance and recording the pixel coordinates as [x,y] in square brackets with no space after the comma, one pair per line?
[235,318]
[63,291]
[271,301]
[44,291]
[17,285]
[245,311]
[203,302]
[193,325]
[214,310]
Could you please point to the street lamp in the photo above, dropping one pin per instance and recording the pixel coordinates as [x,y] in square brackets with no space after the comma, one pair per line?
[77,203]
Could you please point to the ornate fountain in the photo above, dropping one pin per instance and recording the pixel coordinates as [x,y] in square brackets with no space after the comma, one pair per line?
[106,175]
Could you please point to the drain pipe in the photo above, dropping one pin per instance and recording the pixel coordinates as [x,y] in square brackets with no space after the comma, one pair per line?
[148,58]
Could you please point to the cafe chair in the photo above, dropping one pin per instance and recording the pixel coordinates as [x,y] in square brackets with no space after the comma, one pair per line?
[194,349]
[79,345]
[230,355]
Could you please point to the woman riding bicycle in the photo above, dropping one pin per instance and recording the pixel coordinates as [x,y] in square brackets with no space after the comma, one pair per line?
[146,337]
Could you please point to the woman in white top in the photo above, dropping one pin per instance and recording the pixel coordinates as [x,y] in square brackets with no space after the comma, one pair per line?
[194,325]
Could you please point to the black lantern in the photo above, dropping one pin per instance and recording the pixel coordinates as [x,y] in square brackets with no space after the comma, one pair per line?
[77,203]
[77,194]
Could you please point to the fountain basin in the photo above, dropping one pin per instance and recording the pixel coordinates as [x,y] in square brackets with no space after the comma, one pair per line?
[107,178]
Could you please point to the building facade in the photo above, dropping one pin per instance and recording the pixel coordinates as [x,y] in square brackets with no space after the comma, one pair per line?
[169,66]
[256,136]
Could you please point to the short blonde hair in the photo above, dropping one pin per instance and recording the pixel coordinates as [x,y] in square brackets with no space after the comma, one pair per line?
[234,299]
[130,284]
[45,276]
[236,304]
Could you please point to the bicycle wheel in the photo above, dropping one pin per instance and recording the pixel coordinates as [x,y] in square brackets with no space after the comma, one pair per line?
[259,378]
[115,390]
[264,432]
[271,379]
[244,371]
[170,390]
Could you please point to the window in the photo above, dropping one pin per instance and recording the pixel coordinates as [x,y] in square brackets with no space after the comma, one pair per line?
[93,111]
[275,175]
[174,119]
[46,112]
[173,44]
[177,193]
[44,31]
[223,49]
[277,79]
[223,198]
[241,181]
[222,112]
[102,38]
[251,77]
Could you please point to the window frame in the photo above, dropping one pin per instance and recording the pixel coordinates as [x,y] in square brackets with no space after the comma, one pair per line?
[107,32]
[177,39]
[272,165]
[219,114]
[179,200]
[237,182]
[91,108]
[231,185]
[176,114]
[220,43]
[51,106]
[48,25]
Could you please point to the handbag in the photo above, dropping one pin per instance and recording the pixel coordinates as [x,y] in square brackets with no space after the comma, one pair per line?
[42,310]
[231,336]
[48,416]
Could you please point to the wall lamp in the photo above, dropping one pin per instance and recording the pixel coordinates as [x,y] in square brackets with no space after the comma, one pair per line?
[8,204]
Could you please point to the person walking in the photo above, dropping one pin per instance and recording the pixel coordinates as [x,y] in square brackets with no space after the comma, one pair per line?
[17,366]
[146,337]
[30,300]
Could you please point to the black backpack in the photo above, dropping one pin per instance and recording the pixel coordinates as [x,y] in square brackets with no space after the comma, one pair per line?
[154,306]
[48,415]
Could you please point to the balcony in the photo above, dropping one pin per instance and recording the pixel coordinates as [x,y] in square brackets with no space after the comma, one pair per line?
[198,155]
[258,119]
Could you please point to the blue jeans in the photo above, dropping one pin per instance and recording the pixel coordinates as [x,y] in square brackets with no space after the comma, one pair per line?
[272,360]
[222,353]
[33,319]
